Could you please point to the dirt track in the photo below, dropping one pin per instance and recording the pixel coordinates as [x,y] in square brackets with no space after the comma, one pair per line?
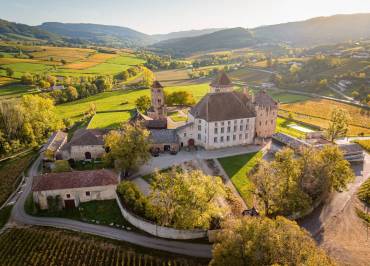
[346,237]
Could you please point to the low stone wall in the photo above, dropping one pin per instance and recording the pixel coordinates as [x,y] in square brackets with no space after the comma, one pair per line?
[157,230]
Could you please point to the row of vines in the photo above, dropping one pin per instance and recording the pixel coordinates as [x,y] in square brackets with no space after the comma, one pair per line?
[39,246]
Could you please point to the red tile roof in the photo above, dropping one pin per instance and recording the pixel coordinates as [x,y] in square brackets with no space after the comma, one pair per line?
[74,179]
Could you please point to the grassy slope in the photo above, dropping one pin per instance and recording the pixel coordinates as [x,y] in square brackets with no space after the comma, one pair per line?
[237,168]
[15,90]
[109,120]
[365,144]
[113,101]
[9,172]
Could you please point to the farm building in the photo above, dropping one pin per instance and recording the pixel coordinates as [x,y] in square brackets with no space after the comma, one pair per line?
[69,189]
[86,144]
[54,145]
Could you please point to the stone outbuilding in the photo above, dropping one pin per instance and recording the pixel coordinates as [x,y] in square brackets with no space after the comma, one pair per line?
[86,144]
[54,145]
[69,189]
[164,140]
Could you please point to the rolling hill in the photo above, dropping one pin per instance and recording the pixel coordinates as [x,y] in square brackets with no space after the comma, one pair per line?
[17,31]
[308,33]
[98,34]
[224,39]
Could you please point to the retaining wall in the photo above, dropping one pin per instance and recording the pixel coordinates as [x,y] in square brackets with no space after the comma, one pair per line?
[157,230]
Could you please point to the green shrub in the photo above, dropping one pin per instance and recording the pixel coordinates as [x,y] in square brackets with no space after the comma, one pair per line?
[134,199]
[61,166]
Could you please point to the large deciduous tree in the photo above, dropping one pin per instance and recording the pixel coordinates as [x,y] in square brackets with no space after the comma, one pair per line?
[148,77]
[127,148]
[338,126]
[143,103]
[186,200]
[263,241]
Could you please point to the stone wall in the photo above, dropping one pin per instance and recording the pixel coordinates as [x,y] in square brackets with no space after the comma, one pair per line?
[77,194]
[157,230]
[78,152]
[265,121]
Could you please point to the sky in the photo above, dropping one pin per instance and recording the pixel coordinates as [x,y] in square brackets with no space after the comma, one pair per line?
[163,16]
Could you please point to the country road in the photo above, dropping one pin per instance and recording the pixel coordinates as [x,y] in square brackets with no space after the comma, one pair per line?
[19,216]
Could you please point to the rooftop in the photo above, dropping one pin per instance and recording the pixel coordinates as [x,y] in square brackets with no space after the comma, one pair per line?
[162,136]
[157,85]
[263,99]
[83,137]
[56,140]
[75,179]
[222,80]
[223,106]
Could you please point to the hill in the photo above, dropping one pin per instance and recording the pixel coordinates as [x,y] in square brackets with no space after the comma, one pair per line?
[11,31]
[97,34]
[224,39]
[318,31]
[183,34]
[308,33]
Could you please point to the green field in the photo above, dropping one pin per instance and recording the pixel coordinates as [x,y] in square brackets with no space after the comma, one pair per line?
[100,69]
[237,168]
[21,68]
[109,120]
[282,126]
[16,90]
[126,60]
[123,100]
[284,97]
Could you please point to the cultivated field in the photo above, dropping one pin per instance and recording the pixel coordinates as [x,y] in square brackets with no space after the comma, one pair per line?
[317,112]
[40,246]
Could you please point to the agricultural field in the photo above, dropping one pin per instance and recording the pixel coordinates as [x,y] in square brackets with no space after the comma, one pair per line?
[109,119]
[10,171]
[42,246]
[16,90]
[317,112]
[252,77]
[123,100]
[365,144]
[237,168]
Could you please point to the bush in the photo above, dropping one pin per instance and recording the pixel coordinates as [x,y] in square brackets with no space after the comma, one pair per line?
[61,166]
[133,199]
[364,192]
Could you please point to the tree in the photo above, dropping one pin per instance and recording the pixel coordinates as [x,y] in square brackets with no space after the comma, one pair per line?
[63,61]
[40,118]
[143,103]
[338,126]
[148,77]
[128,148]
[44,84]
[180,98]
[9,72]
[27,79]
[72,93]
[323,83]
[186,200]
[51,79]
[263,241]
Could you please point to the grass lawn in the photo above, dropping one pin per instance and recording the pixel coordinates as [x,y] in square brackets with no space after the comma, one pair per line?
[10,171]
[284,97]
[123,100]
[109,120]
[83,165]
[15,90]
[4,215]
[176,117]
[21,68]
[237,168]
[282,126]
[105,212]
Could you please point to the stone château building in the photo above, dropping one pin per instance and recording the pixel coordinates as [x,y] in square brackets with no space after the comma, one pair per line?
[226,118]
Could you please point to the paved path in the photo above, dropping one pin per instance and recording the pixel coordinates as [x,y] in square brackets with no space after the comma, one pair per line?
[165,160]
[20,217]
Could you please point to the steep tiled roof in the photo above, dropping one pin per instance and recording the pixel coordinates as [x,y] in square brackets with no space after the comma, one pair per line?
[157,85]
[223,106]
[263,99]
[75,179]
[88,137]
[56,140]
[162,136]
[222,80]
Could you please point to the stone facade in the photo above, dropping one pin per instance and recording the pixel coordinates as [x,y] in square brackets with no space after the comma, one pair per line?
[77,195]
[87,152]
[226,118]
[158,110]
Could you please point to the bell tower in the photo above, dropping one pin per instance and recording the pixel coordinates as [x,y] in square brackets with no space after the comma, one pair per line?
[158,110]
[222,83]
